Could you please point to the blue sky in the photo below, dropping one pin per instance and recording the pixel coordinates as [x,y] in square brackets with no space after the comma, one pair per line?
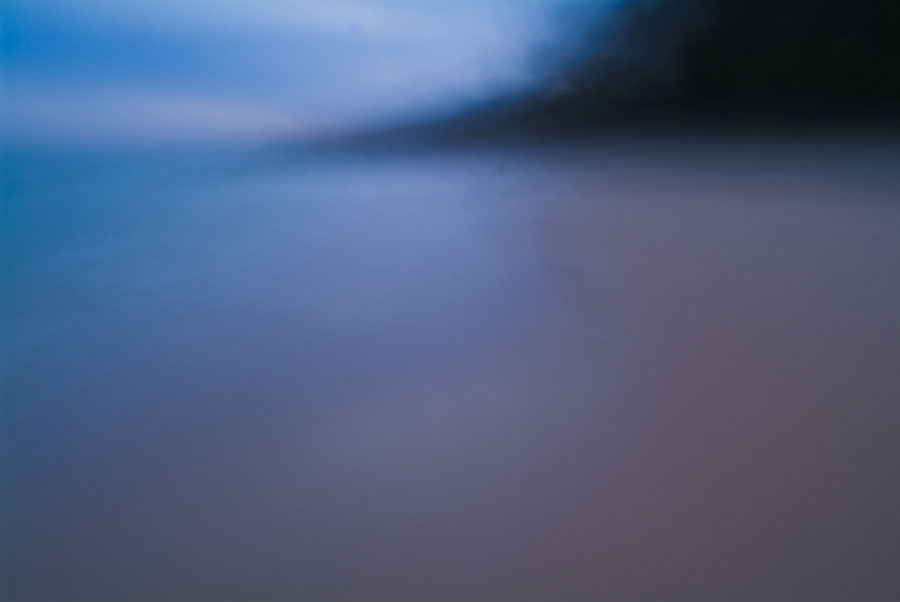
[165,69]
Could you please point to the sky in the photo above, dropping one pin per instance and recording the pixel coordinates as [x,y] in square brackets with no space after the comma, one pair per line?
[114,70]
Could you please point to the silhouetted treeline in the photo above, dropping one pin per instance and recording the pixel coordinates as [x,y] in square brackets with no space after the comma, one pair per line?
[694,58]
[690,57]
[682,62]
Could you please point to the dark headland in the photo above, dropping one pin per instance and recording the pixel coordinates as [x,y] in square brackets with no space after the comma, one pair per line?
[651,66]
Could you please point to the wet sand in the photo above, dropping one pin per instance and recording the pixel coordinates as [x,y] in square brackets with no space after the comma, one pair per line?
[651,371]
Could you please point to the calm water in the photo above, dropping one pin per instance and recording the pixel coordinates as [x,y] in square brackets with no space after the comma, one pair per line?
[637,372]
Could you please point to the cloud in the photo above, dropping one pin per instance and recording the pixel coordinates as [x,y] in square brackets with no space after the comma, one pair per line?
[378,17]
[98,65]
[76,115]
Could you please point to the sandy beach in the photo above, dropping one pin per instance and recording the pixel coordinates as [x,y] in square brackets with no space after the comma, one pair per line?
[658,370]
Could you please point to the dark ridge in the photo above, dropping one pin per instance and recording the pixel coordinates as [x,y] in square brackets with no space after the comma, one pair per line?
[729,60]
[672,64]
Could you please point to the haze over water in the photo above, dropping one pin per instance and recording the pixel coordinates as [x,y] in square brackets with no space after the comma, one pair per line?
[643,370]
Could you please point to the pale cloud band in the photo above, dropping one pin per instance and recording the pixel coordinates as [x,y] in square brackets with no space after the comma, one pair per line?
[197,67]
[74,116]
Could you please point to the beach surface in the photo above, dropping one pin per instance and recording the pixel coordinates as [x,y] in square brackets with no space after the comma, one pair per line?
[650,370]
